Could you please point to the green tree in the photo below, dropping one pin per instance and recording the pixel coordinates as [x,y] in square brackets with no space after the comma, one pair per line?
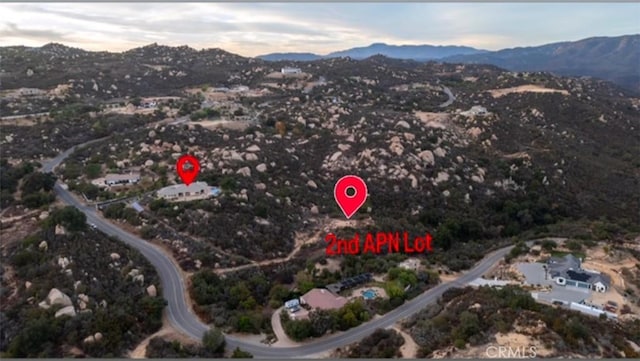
[69,217]
[321,322]
[393,289]
[93,170]
[35,200]
[213,340]
[469,326]
[548,245]
[574,246]
[37,181]
[238,353]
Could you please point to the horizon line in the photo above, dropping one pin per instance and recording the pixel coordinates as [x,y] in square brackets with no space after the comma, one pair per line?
[317,54]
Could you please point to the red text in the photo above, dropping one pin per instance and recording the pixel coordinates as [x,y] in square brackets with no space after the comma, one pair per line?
[378,243]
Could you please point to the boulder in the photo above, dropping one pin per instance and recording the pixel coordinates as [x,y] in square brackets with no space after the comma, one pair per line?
[254,148]
[261,167]
[66,311]
[152,291]
[56,297]
[63,262]
[43,246]
[115,256]
[335,156]
[427,157]
[60,230]
[311,184]
[403,124]
[409,136]
[314,209]
[233,155]
[396,148]
[245,171]
[414,181]
[89,339]
[439,152]
[134,272]
[250,157]
[261,186]
[344,147]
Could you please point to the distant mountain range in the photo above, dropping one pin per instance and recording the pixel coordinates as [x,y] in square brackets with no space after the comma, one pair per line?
[616,59]
[413,52]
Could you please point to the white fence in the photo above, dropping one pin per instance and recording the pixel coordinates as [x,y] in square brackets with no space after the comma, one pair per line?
[590,310]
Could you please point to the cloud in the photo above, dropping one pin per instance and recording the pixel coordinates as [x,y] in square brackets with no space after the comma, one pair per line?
[256,28]
[12,30]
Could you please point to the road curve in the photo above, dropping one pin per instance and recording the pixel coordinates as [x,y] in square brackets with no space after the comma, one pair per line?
[180,315]
[450,95]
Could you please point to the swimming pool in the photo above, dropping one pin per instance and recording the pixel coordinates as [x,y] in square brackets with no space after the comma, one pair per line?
[369,294]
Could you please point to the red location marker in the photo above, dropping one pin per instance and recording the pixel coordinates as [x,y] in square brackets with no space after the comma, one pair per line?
[188,168]
[350,193]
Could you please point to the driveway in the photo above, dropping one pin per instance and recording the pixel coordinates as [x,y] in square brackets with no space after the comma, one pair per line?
[534,273]
[565,294]
[276,325]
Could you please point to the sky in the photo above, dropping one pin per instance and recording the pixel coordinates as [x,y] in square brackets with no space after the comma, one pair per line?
[252,29]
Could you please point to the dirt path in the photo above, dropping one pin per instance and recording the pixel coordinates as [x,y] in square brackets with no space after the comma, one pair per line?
[7,220]
[166,332]
[410,347]
[301,240]
[496,93]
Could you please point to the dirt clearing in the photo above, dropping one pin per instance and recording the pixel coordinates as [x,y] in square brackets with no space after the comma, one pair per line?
[496,93]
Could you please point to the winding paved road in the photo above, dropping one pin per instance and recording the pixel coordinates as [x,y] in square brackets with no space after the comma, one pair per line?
[450,95]
[180,315]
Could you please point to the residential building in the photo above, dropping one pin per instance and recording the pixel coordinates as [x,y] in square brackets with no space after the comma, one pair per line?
[475,110]
[568,271]
[31,91]
[349,283]
[183,192]
[289,70]
[240,89]
[137,207]
[121,179]
[410,264]
[292,305]
[322,299]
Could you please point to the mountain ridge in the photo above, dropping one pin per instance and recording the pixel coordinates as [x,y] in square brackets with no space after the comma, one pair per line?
[612,58]
[412,52]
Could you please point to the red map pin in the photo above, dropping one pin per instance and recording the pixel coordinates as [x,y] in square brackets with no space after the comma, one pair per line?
[350,193]
[188,168]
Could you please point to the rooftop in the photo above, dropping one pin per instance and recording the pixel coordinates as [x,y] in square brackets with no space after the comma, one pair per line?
[323,299]
[181,188]
[119,177]
[570,267]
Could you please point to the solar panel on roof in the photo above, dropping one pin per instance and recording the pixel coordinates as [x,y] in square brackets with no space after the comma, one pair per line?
[578,276]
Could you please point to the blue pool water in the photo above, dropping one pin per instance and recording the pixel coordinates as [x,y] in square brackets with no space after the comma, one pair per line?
[369,294]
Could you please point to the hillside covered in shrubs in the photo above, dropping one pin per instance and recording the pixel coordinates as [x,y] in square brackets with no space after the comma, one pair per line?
[68,291]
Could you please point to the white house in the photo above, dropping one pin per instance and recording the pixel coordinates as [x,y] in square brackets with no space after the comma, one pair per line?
[475,110]
[289,70]
[183,192]
[120,179]
[568,271]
